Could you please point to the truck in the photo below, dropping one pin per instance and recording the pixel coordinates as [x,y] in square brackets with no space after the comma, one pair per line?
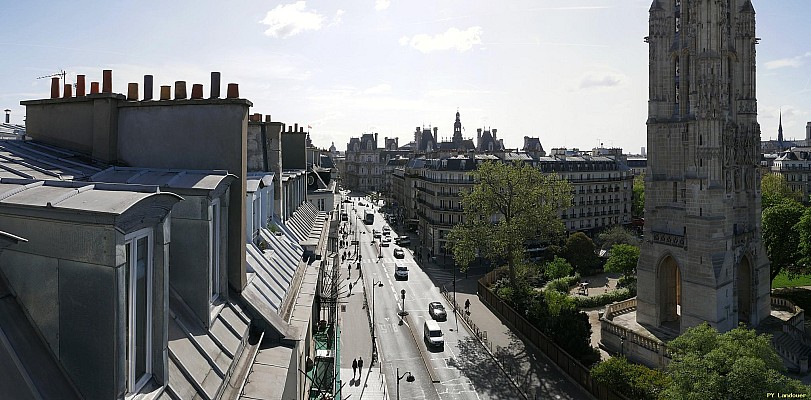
[369,217]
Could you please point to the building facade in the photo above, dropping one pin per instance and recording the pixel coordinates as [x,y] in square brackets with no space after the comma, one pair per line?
[702,258]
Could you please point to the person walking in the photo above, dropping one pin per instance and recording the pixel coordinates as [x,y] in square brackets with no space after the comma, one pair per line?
[360,367]
[467,306]
[354,368]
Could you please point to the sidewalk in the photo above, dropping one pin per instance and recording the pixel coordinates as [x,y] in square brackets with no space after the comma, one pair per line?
[535,375]
[356,340]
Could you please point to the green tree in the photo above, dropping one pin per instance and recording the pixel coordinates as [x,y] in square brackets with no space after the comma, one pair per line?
[579,251]
[510,205]
[779,237]
[632,380]
[623,260]
[638,197]
[617,234]
[557,268]
[803,228]
[738,364]
[774,189]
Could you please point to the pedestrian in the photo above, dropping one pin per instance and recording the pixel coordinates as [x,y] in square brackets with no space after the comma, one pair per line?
[354,367]
[360,367]
[467,306]
[350,289]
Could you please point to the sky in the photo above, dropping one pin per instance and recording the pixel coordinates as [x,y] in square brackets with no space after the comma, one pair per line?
[572,72]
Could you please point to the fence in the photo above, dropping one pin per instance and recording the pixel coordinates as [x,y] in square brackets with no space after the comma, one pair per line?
[518,324]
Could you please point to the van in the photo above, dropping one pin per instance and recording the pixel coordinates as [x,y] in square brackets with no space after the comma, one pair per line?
[433,334]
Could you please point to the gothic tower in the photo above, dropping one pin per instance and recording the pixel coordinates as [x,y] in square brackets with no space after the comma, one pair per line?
[702,258]
[457,131]
[780,130]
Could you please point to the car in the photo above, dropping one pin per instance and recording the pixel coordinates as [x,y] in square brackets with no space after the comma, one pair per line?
[404,241]
[399,253]
[437,311]
[386,230]
[376,234]
[432,334]
[401,272]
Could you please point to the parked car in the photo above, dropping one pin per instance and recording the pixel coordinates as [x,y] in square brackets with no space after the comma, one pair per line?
[437,311]
[386,230]
[399,253]
[404,241]
[401,272]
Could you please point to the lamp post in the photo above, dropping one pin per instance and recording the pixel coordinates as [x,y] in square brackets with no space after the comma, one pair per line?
[410,378]
[374,327]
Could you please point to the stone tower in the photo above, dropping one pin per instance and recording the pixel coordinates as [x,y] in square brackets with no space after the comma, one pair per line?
[702,258]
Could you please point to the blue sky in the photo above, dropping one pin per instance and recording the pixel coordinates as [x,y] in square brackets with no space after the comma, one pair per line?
[572,72]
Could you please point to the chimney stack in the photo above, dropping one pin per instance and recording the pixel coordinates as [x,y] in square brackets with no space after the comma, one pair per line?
[180,90]
[197,91]
[8,115]
[166,92]
[54,88]
[267,118]
[68,91]
[132,91]
[148,87]
[107,81]
[233,91]
[215,85]
[80,86]
[94,88]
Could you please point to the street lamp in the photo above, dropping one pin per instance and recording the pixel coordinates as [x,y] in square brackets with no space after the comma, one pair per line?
[410,378]
[374,327]
[403,312]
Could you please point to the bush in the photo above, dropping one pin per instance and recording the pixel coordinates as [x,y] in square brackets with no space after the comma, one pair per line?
[563,284]
[632,380]
[605,298]
[557,268]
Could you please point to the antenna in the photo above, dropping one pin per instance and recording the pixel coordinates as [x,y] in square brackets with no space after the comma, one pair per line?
[61,74]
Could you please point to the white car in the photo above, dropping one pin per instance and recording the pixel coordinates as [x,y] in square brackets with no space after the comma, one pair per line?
[401,272]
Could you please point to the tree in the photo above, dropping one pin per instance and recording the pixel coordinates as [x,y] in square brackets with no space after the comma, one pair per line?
[557,268]
[510,205]
[774,189]
[623,260]
[738,364]
[617,234]
[638,197]
[579,251]
[632,380]
[803,228]
[779,237]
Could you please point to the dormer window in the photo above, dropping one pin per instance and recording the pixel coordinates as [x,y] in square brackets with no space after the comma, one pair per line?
[138,252]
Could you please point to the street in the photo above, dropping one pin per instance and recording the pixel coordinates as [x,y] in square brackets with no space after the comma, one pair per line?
[462,370]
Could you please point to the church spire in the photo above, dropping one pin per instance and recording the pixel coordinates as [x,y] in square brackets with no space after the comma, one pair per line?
[780,128]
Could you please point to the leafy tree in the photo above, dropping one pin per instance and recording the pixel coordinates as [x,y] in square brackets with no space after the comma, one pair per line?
[557,268]
[638,197]
[779,237]
[579,251]
[510,204]
[623,259]
[738,364]
[774,189]
[803,228]
[632,380]
[617,234]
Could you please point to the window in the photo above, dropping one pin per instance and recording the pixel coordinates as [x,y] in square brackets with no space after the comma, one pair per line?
[214,243]
[138,253]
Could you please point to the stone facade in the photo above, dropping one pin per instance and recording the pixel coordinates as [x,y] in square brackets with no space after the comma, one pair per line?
[702,259]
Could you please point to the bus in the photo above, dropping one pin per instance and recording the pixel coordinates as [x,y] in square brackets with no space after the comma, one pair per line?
[369,217]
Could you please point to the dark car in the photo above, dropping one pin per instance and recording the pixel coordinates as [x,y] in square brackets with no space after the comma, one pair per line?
[437,311]
[399,253]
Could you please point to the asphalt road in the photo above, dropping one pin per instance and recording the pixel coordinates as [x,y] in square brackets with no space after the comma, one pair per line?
[463,370]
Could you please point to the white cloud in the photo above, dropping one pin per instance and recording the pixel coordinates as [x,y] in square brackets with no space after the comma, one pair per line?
[792,62]
[291,19]
[337,19]
[382,4]
[453,38]
[381,88]
[603,79]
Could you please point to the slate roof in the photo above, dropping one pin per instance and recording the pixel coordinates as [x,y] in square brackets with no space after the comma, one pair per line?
[33,160]
[173,180]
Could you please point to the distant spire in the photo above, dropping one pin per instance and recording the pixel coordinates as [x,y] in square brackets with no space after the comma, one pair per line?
[780,128]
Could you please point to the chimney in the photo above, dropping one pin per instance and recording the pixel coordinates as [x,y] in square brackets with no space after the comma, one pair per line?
[147,87]
[94,88]
[256,117]
[494,133]
[808,134]
[107,81]
[375,139]
[8,115]
[215,85]
[132,91]
[80,86]
[68,91]
[233,91]
[180,90]
[267,118]
[166,92]
[54,88]
[197,91]
[295,127]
